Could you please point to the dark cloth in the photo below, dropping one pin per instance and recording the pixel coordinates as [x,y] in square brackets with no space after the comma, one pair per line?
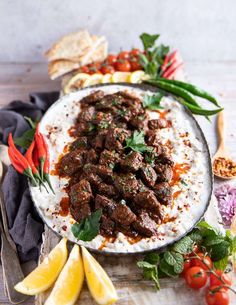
[25,225]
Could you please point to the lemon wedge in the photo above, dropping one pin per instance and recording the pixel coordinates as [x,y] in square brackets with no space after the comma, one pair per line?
[93,79]
[137,76]
[120,77]
[69,283]
[46,273]
[106,78]
[99,283]
[76,82]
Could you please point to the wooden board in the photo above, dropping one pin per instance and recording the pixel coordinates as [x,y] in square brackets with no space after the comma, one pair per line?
[17,80]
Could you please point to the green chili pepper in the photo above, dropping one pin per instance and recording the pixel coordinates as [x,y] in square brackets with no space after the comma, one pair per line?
[200,111]
[175,90]
[192,89]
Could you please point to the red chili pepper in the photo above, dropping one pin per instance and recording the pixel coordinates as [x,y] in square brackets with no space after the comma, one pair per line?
[43,155]
[29,156]
[40,149]
[169,59]
[36,157]
[172,70]
[19,162]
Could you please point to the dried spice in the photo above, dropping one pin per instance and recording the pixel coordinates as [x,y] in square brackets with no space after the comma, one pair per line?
[224,167]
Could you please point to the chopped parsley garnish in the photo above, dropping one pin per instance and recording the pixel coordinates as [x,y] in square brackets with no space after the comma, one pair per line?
[104,125]
[88,228]
[91,127]
[137,143]
[183,182]
[152,102]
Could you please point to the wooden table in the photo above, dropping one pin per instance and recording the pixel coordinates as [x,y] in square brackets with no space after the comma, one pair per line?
[17,80]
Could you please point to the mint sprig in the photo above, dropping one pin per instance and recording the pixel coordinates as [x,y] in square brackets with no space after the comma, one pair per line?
[152,102]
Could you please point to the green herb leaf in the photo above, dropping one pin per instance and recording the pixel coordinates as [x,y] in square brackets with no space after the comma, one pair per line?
[152,258]
[174,259]
[136,142]
[148,40]
[183,246]
[88,228]
[150,272]
[152,102]
[26,139]
[31,122]
[167,269]
[220,251]
[196,236]
[221,264]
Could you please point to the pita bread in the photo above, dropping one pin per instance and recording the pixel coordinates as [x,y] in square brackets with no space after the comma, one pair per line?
[58,68]
[70,46]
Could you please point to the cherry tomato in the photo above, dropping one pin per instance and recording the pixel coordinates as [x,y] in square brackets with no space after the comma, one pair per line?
[199,261]
[111,59]
[123,55]
[123,66]
[107,69]
[217,296]
[135,65]
[195,277]
[94,67]
[135,52]
[226,278]
[187,265]
[85,69]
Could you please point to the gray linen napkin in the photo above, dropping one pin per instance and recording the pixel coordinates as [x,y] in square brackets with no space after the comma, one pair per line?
[25,225]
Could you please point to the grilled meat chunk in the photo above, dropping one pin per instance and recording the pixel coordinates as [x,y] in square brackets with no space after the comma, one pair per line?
[81,193]
[132,162]
[79,212]
[164,172]
[80,142]
[148,175]
[107,190]
[71,162]
[115,138]
[152,138]
[163,193]
[158,124]
[107,226]
[123,215]
[104,203]
[127,185]
[108,158]
[91,156]
[147,200]
[92,98]
[145,225]
[86,115]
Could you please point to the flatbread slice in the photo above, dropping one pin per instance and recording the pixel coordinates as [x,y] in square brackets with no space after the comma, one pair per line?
[70,46]
[60,67]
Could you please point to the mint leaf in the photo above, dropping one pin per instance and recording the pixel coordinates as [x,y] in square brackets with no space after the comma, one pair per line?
[148,40]
[159,53]
[219,251]
[150,272]
[196,236]
[167,269]
[137,143]
[183,246]
[174,259]
[152,102]
[88,228]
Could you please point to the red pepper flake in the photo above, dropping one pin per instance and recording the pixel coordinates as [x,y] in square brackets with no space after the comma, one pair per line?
[64,228]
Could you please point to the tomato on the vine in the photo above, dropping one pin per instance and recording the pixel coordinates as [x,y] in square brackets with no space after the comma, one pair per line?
[135,65]
[203,261]
[111,59]
[123,66]
[217,296]
[195,277]
[85,69]
[123,55]
[226,278]
[135,52]
[107,69]
[187,265]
